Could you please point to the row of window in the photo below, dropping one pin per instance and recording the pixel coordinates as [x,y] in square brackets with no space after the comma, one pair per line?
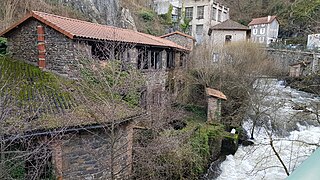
[259,39]
[261,25]
[262,31]
[148,58]
[155,61]
[200,12]
[217,14]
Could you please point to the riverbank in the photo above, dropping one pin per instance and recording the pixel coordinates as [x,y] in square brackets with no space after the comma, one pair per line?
[310,84]
[295,135]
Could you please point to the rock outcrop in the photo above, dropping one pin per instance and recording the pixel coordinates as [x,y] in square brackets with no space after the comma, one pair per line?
[107,12]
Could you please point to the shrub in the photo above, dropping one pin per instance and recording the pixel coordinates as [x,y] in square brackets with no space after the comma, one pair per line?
[146,15]
[3,45]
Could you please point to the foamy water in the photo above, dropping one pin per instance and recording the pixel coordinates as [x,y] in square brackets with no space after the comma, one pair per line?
[259,161]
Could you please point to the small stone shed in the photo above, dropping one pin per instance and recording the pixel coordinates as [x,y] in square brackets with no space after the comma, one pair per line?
[180,38]
[214,104]
[300,69]
[228,31]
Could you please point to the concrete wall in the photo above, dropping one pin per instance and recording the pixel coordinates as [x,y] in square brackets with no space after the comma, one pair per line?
[218,37]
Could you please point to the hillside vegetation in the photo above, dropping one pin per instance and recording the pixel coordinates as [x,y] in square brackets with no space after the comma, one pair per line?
[145,19]
[297,17]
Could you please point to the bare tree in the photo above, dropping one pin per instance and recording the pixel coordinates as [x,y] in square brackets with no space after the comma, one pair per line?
[111,84]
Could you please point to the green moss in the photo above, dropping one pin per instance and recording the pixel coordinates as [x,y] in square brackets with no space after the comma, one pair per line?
[3,46]
[33,89]
[197,149]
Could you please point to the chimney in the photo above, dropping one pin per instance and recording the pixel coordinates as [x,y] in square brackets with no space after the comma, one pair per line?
[41,48]
[269,18]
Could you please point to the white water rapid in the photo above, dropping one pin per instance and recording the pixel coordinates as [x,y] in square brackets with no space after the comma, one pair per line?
[295,132]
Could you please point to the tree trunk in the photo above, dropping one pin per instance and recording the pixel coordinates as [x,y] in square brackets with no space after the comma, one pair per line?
[278,156]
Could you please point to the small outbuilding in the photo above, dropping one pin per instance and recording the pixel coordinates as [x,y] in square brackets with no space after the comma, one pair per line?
[299,69]
[214,104]
[228,31]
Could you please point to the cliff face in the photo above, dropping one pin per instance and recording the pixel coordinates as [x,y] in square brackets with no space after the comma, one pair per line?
[102,11]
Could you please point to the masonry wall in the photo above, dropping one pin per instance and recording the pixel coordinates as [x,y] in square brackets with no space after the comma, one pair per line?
[285,58]
[87,154]
[181,40]
[62,54]
[213,109]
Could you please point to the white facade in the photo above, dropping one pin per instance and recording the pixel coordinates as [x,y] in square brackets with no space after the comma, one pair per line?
[265,33]
[213,14]
[313,41]
[202,13]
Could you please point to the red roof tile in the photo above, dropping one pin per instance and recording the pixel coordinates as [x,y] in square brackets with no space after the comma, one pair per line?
[179,33]
[74,28]
[215,93]
[262,20]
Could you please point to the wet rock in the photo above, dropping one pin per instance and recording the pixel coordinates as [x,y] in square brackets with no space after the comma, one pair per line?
[243,135]
[229,146]
[247,143]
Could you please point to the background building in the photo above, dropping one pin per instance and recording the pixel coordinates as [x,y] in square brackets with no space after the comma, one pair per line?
[202,14]
[264,30]
[228,31]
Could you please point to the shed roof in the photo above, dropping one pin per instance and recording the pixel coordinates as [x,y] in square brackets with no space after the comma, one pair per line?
[179,33]
[215,93]
[262,20]
[302,63]
[74,28]
[230,25]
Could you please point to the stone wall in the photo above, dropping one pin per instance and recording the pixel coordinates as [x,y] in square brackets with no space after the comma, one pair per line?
[285,58]
[181,40]
[22,42]
[62,53]
[87,154]
[214,109]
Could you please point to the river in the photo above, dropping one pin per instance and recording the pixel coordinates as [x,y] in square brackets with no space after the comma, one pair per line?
[288,119]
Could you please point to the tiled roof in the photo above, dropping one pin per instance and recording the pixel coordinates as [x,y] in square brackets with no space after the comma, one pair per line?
[74,28]
[229,25]
[215,93]
[35,100]
[179,33]
[262,20]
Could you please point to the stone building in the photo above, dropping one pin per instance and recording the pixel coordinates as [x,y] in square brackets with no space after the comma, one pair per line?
[228,31]
[214,104]
[264,30]
[181,39]
[59,45]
